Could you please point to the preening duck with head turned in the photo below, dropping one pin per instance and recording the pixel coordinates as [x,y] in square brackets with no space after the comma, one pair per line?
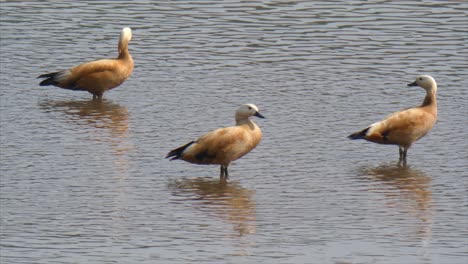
[96,77]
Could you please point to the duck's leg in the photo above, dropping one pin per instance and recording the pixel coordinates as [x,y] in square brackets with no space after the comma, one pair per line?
[221,173]
[403,152]
[224,172]
[97,96]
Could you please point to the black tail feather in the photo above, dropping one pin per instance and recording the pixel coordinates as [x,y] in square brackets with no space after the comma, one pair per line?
[50,79]
[177,153]
[359,135]
[47,82]
[47,75]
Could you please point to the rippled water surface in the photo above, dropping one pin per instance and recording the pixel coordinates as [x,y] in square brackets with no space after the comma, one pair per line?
[86,181]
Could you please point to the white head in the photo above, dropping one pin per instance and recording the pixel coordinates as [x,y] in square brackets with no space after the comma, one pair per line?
[247,110]
[424,81]
[125,37]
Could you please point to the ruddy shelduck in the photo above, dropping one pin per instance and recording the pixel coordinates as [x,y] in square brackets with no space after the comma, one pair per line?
[96,77]
[405,127]
[223,145]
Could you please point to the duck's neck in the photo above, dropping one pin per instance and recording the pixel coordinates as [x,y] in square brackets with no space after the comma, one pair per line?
[430,99]
[245,121]
[123,51]
[430,103]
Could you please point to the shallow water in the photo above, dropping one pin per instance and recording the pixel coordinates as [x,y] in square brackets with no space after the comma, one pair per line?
[86,182]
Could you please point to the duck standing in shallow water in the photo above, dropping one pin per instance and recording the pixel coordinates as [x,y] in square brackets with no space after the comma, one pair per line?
[405,127]
[223,145]
[96,77]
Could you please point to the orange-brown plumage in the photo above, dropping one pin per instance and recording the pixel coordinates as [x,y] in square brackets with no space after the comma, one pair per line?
[405,127]
[96,77]
[223,145]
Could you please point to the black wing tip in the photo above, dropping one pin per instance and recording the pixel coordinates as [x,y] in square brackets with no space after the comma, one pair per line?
[359,135]
[49,79]
[177,153]
[47,75]
[47,82]
[354,136]
[172,155]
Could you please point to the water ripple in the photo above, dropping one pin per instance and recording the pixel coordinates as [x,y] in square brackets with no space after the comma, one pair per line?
[85,181]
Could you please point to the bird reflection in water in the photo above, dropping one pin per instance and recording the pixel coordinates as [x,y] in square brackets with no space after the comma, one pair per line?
[101,121]
[224,199]
[407,190]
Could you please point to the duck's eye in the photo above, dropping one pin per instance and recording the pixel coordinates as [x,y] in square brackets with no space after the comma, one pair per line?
[420,79]
[250,108]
